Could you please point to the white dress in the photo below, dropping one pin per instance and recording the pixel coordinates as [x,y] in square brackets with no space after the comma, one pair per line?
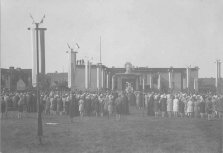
[175,105]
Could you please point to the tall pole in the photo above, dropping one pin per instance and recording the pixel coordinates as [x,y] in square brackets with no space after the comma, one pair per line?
[40,129]
[143,88]
[217,75]
[100,49]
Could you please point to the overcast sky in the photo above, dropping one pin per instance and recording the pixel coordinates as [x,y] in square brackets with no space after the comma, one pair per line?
[153,33]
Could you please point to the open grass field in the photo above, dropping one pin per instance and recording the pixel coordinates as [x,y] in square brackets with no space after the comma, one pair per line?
[132,134]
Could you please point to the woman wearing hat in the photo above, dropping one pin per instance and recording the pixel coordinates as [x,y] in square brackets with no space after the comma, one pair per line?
[106,99]
[202,106]
[67,104]
[209,108]
[101,101]
[110,106]
[81,106]
[76,105]
[181,106]
[196,107]
[88,105]
[54,105]
[20,105]
[47,106]
[163,105]
[175,106]
[214,109]
[96,105]
[156,105]
[150,106]
[169,105]
[71,107]
[190,107]
[118,108]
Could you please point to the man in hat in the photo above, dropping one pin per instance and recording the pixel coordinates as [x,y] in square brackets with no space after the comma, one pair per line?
[71,106]
[88,105]
[118,108]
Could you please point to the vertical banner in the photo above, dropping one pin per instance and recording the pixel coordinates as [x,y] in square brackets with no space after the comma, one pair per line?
[113,83]
[151,81]
[170,80]
[159,82]
[99,77]
[86,74]
[34,56]
[196,85]
[108,81]
[188,77]
[42,55]
[71,69]
[74,69]
[143,84]
[184,83]
[102,78]
[42,50]
[89,74]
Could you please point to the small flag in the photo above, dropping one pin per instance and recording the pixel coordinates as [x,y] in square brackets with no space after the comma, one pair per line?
[77,46]
[68,45]
[42,19]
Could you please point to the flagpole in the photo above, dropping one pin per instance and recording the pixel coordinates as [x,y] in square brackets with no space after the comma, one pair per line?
[40,128]
[100,49]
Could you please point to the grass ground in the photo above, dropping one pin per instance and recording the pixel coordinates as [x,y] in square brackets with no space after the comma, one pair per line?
[132,134]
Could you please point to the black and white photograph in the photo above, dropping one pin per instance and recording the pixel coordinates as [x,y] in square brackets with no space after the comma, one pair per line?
[111,76]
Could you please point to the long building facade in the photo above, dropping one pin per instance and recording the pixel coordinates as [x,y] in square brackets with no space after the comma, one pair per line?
[159,80]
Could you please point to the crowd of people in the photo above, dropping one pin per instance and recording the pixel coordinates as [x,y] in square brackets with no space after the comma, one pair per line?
[88,104]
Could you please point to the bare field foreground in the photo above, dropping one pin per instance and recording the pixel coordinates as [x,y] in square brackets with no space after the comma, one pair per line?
[132,134]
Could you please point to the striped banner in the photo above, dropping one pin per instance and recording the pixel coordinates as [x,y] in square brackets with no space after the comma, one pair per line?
[71,69]
[34,56]
[34,53]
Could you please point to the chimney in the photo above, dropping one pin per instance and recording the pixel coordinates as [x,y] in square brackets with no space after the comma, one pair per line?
[11,68]
[18,69]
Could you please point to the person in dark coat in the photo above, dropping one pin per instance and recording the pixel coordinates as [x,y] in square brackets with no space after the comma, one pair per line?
[54,105]
[127,106]
[88,105]
[34,102]
[118,108]
[92,104]
[28,101]
[96,105]
[115,95]
[209,108]
[181,107]
[31,107]
[71,107]
[163,105]
[76,107]
[156,105]
[125,99]
[122,100]
[67,104]
[202,107]
[150,111]
[3,106]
